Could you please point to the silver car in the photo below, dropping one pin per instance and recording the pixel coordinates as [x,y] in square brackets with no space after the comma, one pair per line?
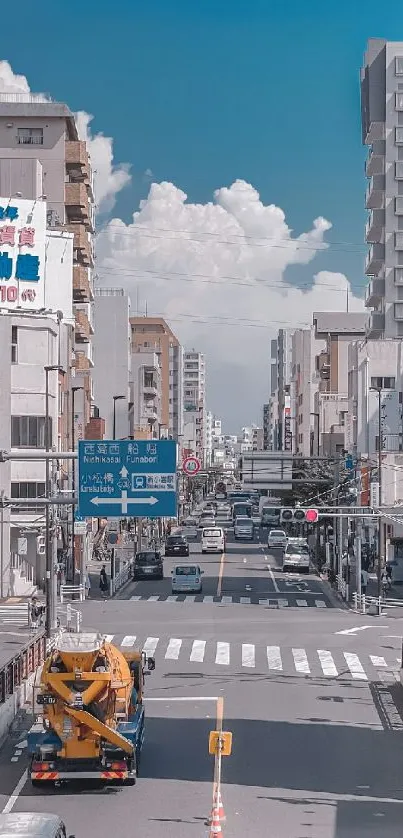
[296,557]
[243,528]
[277,538]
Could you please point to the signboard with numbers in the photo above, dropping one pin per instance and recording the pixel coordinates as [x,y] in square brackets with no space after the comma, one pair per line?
[22,253]
[127,478]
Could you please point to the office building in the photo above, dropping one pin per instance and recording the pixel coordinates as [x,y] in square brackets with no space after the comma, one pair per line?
[112,360]
[195,403]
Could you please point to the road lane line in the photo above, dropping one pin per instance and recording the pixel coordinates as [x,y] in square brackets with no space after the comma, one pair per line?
[377,661]
[355,666]
[272,577]
[220,574]
[129,640]
[301,661]
[173,650]
[327,663]
[248,654]
[16,793]
[150,645]
[198,650]
[274,658]
[222,656]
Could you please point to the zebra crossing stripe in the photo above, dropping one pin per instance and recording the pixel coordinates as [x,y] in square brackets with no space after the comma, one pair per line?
[327,663]
[172,599]
[301,661]
[282,603]
[129,640]
[245,600]
[248,654]
[198,650]
[274,658]
[355,666]
[174,647]
[227,600]
[150,645]
[377,661]
[320,603]
[264,602]
[135,598]
[222,655]
[109,638]
[302,602]
[208,599]
[153,598]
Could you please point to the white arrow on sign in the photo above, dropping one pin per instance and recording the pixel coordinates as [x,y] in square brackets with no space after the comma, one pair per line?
[124,501]
[123,471]
[359,628]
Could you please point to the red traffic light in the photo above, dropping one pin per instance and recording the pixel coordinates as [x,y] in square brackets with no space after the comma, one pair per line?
[311,516]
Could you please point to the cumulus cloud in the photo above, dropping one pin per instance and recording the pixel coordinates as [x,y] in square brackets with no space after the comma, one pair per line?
[109,179]
[216,272]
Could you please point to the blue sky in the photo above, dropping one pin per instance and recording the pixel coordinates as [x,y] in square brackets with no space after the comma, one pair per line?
[202,93]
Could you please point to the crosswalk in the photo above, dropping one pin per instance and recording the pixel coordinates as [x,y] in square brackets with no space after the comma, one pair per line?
[320,663]
[14,613]
[290,601]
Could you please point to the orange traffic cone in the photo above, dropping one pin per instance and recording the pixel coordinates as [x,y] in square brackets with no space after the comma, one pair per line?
[218,805]
[215,828]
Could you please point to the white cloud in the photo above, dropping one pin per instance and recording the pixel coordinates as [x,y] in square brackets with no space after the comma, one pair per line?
[109,179]
[216,272]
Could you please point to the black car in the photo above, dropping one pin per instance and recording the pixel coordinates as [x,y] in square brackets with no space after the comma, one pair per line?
[176,545]
[148,564]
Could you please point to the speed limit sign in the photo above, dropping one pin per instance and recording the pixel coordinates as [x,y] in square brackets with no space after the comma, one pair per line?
[191,465]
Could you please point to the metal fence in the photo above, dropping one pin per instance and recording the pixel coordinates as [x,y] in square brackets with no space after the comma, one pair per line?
[72,592]
[23,664]
[374,604]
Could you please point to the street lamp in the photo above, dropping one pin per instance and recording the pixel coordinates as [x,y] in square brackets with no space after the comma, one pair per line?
[73,477]
[115,399]
[380,532]
[50,604]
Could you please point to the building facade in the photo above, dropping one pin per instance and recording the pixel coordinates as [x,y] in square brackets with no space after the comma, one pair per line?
[112,360]
[195,403]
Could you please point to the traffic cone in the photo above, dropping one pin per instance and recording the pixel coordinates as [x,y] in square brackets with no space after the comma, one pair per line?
[218,805]
[215,828]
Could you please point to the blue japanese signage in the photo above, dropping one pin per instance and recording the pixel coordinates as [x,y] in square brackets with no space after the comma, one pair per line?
[127,478]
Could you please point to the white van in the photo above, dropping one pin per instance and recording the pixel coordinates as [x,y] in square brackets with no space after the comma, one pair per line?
[212,540]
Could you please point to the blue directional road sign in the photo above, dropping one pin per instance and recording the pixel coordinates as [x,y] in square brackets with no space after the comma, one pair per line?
[127,478]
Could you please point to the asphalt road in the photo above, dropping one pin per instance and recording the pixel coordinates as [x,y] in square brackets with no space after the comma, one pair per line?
[315,715]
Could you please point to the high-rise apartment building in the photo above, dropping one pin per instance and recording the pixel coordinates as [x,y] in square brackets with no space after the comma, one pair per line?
[282,421]
[112,360]
[153,335]
[382,132]
[41,156]
[195,402]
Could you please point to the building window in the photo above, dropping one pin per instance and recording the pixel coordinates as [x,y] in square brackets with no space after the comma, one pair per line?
[29,432]
[30,136]
[383,382]
[398,170]
[398,276]
[25,491]
[14,345]
[399,101]
[399,241]
[398,135]
[399,65]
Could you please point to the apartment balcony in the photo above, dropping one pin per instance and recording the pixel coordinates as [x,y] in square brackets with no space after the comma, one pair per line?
[77,160]
[375,324]
[398,311]
[375,194]
[77,204]
[83,329]
[376,132]
[82,284]
[323,365]
[375,292]
[82,362]
[150,387]
[375,164]
[375,226]
[375,259]
[150,413]
[82,245]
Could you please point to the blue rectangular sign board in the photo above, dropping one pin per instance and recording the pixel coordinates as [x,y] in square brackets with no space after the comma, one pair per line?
[127,478]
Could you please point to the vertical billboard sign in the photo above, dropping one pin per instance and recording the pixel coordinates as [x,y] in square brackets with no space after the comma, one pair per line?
[287,430]
[22,254]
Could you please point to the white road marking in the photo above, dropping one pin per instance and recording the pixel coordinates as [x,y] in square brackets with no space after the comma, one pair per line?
[173,650]
[172,599]
[274,657]
[282,603]
[150,645]
[135,598]
[208,599]
[355,666]
[190,598]
[263,601]
[16,793]
[182,698]
[273,579]
[302,602]
[248,654]
[222,656]
[153,598]
[327,663]
[129,640]
[227,600]
[198,650]
[320,603]
[377,661]
[244,600]
[301,661]
[359,628]
[14,759]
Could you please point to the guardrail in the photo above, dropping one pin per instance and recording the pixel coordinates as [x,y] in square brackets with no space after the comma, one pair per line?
[120,579]
[69,618]
[72,592]
[373,604]
[23,664]
[342,587]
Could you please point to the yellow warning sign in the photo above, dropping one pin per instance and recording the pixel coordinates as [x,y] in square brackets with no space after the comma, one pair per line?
[220,742]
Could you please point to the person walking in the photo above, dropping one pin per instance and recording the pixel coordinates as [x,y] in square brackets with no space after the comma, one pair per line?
[87,583]
[103,581]
[364,581]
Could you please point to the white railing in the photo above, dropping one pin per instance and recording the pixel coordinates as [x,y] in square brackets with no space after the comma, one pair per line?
[373,604]
[342,586]
[70,591]
[69,618]
[120,579]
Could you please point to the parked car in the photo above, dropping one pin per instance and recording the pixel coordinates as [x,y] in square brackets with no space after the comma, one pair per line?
[187,579]
[32,825]
[148,564]
[296,557]
[176,545]
[243,528]
[212,540]
[277,538]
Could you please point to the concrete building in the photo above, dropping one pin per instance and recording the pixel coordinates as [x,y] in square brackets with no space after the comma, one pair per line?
[209,437]
[41,155]
[195,402]
[112,359]
[145,412]
[266,427]
[152,334]
[282,424]
[336,330]
[303,387]
[382,133]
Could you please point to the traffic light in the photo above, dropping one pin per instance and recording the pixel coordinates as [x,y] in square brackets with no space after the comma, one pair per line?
[299,515]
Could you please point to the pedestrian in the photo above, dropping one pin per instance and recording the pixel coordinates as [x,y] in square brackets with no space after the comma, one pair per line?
[87,585]
[385,583]
[103,581]
[364,581]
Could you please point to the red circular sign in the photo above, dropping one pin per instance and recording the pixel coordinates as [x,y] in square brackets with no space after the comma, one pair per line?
[191,465]
[311,516]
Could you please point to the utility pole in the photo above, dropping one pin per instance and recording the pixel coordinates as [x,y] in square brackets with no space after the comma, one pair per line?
[338,537]
[49,567]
